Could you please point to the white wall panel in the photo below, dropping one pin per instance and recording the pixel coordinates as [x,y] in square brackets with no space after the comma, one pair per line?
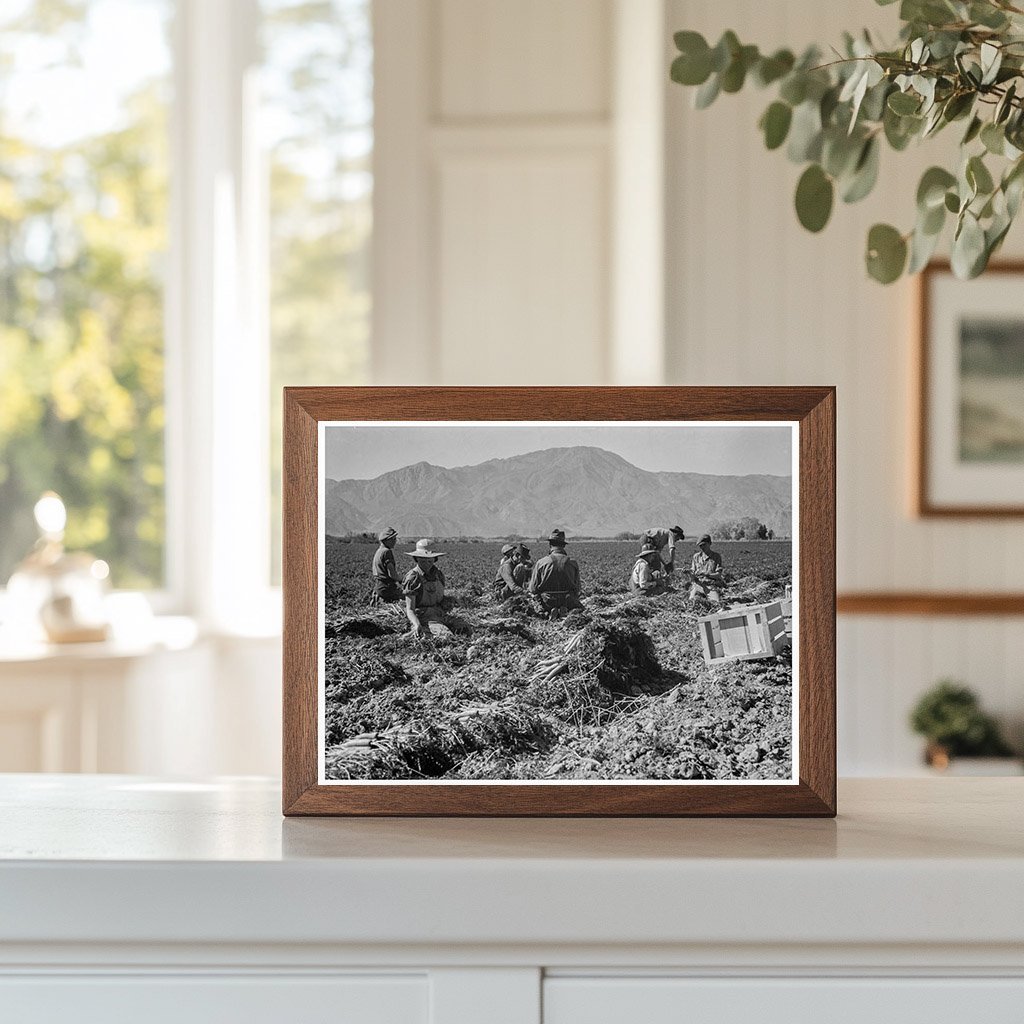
[530,58]
[754,299]
[493,203]
[518,273]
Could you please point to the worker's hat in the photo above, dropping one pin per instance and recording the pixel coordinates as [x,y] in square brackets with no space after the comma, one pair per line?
[556,537]
[423,550]
[387,534]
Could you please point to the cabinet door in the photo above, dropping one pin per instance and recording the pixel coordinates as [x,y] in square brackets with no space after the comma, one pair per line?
[782,1001]
[202,999]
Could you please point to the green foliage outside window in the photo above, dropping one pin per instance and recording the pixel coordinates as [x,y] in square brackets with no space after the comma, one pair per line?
[82,233]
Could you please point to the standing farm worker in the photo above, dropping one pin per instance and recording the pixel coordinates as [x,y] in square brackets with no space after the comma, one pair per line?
[706,567]
[505,582]
[647,576]
[386,587]
[664,541]
[556,579]
[423,588]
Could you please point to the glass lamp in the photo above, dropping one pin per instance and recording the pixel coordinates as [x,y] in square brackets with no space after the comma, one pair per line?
[55,595]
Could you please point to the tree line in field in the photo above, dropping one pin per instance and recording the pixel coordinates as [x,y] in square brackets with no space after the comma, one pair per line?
[747,528]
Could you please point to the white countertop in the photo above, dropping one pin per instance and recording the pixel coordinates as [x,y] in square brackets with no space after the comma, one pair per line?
[122,859]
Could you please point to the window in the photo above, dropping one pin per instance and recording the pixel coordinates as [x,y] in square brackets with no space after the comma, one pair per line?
[317,117]
[185,222]
[83,236]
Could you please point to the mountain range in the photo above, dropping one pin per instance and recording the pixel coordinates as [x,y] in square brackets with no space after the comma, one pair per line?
[584,490]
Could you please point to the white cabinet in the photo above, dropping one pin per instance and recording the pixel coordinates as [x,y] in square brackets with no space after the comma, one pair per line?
[127,899]
[652,1000]
[97,708]
[176,704]
[215,1000]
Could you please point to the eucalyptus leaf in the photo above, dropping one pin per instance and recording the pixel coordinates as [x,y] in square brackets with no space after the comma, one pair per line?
[794,88]
[987,15]
[805,133]
[922,248]
[932,220]
[958,105]
[771,69]
[1014,192]
[978,176]
[775,124]
[873,106]
[904,103]
[973,130]
[886,253]
[814,195]
[991,60]
[931,190]
[993,138]
[840,152]
[724,51]
[1013,187]
[865,173]
[968,247]
[707,93]
[735,74]
[900,130]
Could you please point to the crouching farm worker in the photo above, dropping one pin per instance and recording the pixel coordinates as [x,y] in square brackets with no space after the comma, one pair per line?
[505,583]
[706,568]
[423,588]
[664,541]
[522,565]
[647,576]
[555,582]
[386,587]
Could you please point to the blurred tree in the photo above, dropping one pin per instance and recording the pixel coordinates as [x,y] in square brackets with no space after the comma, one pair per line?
[318,123]
[82,230]
[746,528]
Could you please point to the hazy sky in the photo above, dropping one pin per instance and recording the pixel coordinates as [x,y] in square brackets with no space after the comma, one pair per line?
[364,452]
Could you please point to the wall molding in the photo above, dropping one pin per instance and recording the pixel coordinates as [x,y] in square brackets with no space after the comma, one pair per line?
[929,603]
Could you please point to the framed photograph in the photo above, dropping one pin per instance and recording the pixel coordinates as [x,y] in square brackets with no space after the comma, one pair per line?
[970,444]
[559,601]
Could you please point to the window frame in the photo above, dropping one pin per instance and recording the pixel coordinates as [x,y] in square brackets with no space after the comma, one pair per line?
[217,350]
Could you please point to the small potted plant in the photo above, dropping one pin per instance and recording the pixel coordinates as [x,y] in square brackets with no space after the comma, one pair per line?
[950,718]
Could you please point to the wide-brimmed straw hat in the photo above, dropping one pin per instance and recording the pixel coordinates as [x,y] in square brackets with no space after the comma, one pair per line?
[423,550]
[648,549]
[507,549]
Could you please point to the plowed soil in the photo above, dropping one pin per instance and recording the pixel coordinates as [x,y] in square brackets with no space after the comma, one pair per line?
[619,690]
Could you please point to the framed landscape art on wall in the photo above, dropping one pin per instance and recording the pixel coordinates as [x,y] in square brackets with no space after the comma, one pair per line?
[511,601]
[970,444]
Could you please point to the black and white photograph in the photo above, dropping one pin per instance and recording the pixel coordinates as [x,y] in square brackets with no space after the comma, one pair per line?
[545,602]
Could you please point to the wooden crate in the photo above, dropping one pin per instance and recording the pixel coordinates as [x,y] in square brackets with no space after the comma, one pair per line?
[744,633]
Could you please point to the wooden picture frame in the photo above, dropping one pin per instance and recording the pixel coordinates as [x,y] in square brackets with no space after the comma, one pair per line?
[930,378]
[810,791]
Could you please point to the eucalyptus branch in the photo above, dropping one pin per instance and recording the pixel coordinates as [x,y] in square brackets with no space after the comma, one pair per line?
[954,58]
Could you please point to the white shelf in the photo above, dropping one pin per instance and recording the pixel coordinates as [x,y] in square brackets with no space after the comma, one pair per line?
[121,859]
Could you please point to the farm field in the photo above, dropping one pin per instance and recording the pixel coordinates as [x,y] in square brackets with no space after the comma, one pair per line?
[616,691]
